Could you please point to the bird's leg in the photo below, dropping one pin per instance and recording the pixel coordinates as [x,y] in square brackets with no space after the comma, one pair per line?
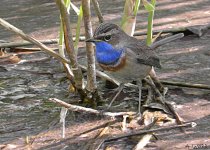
[149,96]
[139,82]
[157,82]
[119,89]
[160,97]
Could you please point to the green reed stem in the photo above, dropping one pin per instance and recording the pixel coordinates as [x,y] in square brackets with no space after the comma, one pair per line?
[79,20]
[61,34]
[150,23]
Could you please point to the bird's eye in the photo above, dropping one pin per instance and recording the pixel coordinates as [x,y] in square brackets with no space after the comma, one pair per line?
[107,38]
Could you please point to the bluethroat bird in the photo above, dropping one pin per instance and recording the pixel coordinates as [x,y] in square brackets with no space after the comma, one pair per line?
[121,56]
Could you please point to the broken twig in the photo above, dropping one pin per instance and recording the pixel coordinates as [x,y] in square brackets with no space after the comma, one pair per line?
[189,85]
[26,43]
[179,120]
[137,133]
[19,32]
[89,110]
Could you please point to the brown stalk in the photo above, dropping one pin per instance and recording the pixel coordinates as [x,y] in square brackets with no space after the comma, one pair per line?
[25,43]
[98,11]
[88,110]
[142,132]
[68,40]
[91,71]
[19,32]
[129,19]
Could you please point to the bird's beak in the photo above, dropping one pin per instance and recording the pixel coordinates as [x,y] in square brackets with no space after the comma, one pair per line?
[92,40]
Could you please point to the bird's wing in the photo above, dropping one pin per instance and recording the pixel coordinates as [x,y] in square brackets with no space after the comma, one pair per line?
[143,54]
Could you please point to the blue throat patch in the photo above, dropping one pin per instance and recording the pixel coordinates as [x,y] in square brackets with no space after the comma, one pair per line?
[106,54]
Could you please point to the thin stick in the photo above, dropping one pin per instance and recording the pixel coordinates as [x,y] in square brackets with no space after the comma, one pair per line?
[73,107]
[29,49]
[108,123]
[143,142]
[68,40]
[150,82]
[149,96]
[19,32]
[55,41]
[137,133]
[120,88]
[91,71]
[98,11]
[66,67]
[106,77]
[101,75]
[173,30]
[130,11]
[25,43]
[96,142]
[79,20]
[88,110]
[82,38]
[67,33]
[179,120]
[166,40]
[140,88]
[62,121]
[182,84]
[150,23]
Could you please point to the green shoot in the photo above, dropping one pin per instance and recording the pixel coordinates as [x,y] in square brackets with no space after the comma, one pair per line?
[61,34]
[129,16]
[80,16]
[150,7]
